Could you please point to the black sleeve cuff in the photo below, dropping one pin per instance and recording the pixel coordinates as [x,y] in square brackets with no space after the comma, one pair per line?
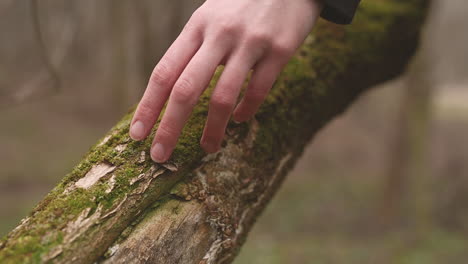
[339,11]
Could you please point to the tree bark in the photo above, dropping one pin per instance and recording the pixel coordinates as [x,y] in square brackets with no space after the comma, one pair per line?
[117,206]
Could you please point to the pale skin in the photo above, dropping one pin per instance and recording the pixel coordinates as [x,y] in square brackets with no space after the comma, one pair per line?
[243,35]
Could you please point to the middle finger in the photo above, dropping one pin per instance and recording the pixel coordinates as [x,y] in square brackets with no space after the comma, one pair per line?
[188,88]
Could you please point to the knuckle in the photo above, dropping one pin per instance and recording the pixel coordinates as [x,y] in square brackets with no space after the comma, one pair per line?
[146,109]
[166,131]
[195,24]
[162,75]
[258,39]
[184,92]
[282,48]
[222,104]
[226,30]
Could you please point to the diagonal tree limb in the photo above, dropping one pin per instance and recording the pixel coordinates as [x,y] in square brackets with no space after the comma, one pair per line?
[199,208]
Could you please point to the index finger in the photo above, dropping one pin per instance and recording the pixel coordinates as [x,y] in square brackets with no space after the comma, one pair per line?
[184,96]
[162,80]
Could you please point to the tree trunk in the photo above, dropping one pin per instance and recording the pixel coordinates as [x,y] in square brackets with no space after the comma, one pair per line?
[404,193]
[117,206]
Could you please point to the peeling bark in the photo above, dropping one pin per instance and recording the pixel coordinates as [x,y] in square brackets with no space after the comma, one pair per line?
[97,172]
[117,206]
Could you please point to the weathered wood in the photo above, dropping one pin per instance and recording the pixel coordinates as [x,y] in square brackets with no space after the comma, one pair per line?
[117,206]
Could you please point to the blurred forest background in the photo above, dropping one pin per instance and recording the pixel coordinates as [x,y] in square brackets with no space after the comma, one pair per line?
[387,182]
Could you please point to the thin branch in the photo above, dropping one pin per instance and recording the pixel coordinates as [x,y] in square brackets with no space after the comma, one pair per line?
[36,23]
[50,77]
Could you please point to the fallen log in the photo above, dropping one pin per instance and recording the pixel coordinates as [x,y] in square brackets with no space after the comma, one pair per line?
[117,206]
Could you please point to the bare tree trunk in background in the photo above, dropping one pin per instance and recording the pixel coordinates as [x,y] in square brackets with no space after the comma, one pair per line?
[177,19]
[405,191]
[117,206]
[394,189]
[149,47]
[119,29]
[419,94]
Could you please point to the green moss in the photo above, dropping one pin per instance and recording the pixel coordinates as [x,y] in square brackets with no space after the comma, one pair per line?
[313,87]
[324,60]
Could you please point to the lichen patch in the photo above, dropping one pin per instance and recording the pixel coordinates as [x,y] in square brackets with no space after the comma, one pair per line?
[94,174]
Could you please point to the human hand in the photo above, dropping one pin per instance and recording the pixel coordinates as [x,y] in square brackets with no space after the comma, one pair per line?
[243,35]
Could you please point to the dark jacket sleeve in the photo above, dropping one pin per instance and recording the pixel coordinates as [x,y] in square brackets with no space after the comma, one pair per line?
[339,11]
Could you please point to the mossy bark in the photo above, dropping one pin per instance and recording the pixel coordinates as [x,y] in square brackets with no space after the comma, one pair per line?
[118,206]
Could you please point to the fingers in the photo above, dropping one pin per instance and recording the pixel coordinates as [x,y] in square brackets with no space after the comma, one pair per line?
[162,80]
[251,34]
[194,79]
[223,100]
[263,78]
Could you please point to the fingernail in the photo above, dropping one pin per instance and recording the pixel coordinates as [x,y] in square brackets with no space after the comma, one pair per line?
[236,119]
[157,153]
[137,131]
